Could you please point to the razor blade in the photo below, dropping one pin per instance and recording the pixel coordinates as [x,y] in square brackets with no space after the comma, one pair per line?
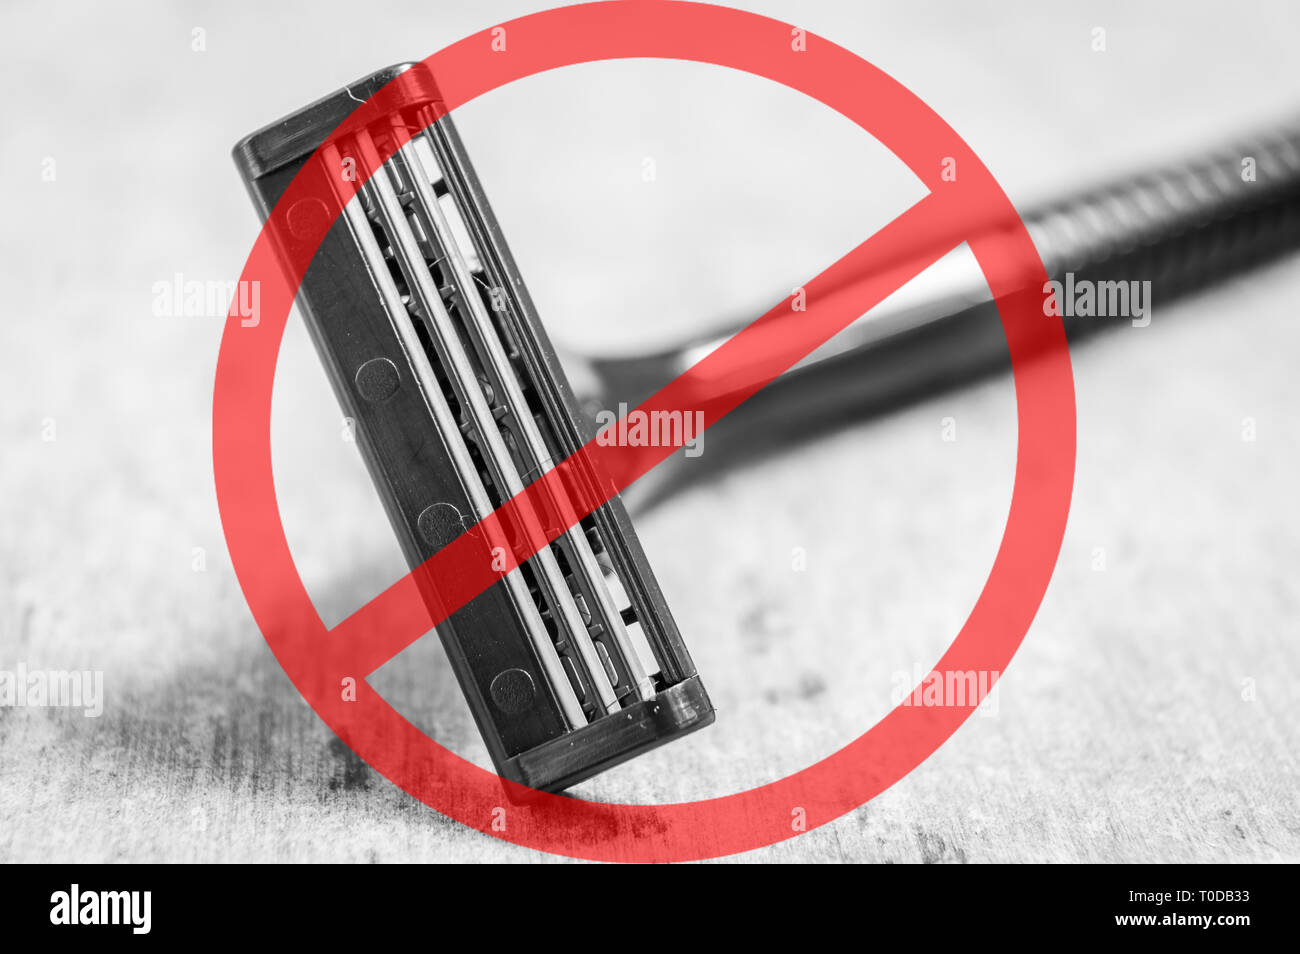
[571,662]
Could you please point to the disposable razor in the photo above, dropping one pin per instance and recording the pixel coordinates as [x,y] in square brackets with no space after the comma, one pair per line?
[571,662]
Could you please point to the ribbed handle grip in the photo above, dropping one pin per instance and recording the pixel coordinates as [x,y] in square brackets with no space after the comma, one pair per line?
[1182,225]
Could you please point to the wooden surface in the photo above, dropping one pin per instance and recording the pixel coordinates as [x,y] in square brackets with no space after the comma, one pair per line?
[1151,714]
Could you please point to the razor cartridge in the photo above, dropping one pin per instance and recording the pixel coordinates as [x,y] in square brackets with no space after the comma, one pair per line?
[570,662]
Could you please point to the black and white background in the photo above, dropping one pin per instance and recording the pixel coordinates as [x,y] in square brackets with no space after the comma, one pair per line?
[1151,714]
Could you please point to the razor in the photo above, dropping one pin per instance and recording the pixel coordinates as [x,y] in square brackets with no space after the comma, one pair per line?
[571,662]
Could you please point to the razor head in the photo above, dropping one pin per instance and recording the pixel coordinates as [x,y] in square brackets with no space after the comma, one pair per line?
[570,662]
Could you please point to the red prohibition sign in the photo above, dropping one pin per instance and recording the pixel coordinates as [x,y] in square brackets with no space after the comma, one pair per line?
[972,209]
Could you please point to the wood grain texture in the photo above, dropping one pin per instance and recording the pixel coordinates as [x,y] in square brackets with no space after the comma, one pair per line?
[1151,714]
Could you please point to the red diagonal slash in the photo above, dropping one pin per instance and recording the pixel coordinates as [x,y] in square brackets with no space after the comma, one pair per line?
[763,350]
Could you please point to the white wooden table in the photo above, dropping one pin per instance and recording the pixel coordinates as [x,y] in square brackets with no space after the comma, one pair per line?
[1152,712]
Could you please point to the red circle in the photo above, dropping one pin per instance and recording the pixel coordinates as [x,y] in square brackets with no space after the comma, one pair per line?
[906,736]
